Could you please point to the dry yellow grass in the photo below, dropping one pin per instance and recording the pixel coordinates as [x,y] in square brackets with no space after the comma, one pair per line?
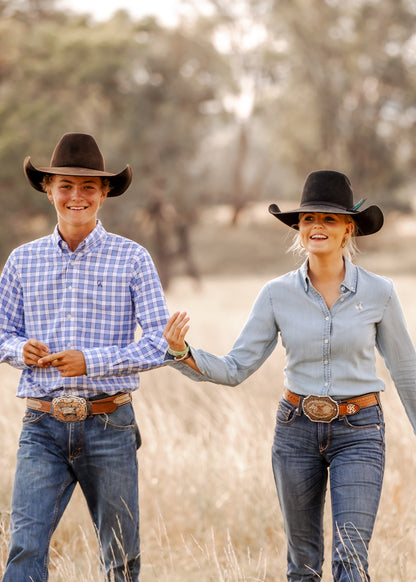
[208,505]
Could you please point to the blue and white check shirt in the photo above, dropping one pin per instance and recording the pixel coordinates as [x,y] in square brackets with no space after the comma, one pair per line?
[91,300]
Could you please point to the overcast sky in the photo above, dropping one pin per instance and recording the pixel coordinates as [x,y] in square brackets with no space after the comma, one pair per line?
[165,10]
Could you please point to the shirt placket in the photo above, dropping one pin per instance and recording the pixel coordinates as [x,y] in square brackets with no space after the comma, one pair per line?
[70,315]
[69,312]
[326,351]
[326,343]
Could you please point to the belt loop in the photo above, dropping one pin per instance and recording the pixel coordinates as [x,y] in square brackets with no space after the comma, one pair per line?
[299,410]
[378,399]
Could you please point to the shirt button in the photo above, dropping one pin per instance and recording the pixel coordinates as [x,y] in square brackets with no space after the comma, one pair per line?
[326,362]
[342,288]
[70,287]
[342,299]
[326,318]
[69,316]
[326,341]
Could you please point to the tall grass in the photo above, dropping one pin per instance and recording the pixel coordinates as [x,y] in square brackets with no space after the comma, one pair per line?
[209,510]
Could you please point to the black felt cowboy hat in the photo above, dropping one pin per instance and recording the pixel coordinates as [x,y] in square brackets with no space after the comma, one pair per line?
[331,193]
[77,154]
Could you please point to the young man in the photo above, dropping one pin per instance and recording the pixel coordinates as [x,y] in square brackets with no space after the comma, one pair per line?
[69,307]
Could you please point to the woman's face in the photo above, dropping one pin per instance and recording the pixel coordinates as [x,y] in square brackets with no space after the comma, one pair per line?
[324,233]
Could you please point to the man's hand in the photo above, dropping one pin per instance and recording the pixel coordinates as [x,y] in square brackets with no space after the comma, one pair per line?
[33,351]
[69,363]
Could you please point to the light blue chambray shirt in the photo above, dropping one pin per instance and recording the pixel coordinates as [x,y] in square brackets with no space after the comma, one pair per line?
[91,300]
[328,351]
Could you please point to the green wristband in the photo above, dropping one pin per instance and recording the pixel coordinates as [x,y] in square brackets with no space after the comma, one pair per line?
[181,353]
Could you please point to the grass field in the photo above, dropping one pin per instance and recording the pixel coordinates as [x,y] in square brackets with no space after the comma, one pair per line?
[208,505]
[209,509]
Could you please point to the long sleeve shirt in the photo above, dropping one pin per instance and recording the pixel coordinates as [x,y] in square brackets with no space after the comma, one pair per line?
[92,300]
[329,352]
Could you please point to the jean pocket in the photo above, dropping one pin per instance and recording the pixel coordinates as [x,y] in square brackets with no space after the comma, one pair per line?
[32,416]
[365,418]
[286,412]
[122,418]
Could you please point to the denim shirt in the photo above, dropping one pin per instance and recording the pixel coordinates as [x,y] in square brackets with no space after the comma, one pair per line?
[328,351]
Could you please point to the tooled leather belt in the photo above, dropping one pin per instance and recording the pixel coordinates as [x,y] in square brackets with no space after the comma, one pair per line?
[326,409]
[68,408]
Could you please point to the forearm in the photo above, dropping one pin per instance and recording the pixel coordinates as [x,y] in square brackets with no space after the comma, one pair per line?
[146,354]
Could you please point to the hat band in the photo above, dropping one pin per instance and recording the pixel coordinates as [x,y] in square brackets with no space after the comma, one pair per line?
[318,204]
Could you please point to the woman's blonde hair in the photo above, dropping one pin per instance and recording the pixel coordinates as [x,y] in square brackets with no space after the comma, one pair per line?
[350,249]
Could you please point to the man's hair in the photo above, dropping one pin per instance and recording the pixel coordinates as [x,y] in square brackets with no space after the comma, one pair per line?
[48,179]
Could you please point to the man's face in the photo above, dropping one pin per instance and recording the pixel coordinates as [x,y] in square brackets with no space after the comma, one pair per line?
[77,200]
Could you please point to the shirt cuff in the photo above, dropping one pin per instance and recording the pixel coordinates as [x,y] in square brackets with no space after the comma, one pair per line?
[186,370]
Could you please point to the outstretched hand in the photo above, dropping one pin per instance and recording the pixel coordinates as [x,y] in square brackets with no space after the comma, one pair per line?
[176,329]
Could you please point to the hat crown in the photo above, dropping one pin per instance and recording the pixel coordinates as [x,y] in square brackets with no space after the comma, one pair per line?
[327,187]
[77,150]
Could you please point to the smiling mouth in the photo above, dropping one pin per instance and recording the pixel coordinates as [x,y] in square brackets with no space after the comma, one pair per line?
[77,208]
[318,237]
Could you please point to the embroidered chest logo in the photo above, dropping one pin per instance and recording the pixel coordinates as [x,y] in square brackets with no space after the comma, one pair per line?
[99,283]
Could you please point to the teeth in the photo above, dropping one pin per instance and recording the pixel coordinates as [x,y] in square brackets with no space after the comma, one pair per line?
[320,236]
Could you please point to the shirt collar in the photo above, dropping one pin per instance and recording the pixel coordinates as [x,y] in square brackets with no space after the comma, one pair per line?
[349,282]
[92,239]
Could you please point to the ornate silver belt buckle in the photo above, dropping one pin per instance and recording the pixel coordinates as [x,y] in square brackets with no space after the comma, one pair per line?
[69,408]
[320,408]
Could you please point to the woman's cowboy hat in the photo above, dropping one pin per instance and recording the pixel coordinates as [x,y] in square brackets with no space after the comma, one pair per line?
[77,154]
[330,192]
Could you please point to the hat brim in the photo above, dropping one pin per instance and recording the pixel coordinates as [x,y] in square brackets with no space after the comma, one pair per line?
[118,182]
[368,221]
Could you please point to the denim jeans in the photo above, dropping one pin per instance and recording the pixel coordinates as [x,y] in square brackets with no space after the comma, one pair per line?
[351,450]
[99,453]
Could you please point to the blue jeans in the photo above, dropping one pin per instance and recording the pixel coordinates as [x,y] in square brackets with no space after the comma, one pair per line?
[351,450]
[99,453]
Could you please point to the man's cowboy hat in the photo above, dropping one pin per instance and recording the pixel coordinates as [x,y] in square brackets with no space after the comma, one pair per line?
[330,192]
[77,154]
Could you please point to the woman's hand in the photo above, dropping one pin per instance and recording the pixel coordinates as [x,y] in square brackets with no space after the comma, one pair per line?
[175,331]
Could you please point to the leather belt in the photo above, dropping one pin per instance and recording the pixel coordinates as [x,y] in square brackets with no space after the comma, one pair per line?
[326,409]
[70,408]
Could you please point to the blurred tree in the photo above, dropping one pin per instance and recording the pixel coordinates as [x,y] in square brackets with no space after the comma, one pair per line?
[239,32]
[139,88]
[227,107]
[330,84]
[177,74]
[347,90]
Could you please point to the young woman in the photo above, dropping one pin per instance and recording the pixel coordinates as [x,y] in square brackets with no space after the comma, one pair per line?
[330,315]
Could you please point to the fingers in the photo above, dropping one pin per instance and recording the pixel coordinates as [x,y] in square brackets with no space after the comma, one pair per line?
[52,359]
[33,350]
[176,329]
[69,363]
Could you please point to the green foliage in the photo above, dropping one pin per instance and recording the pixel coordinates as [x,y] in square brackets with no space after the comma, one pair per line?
[230,108]
[139,88]
[349,69]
